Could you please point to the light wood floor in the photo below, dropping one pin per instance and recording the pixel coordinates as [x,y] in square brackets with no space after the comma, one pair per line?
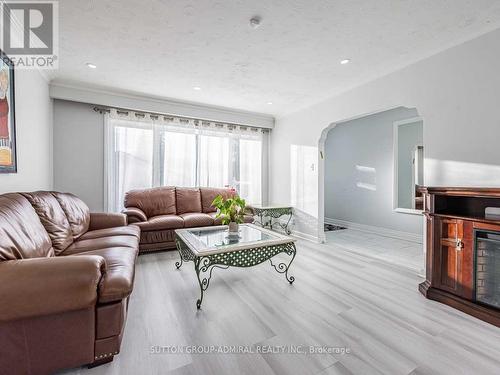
[342,297]
[391,250]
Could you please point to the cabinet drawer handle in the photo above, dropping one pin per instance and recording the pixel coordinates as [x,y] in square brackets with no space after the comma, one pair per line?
[457,243]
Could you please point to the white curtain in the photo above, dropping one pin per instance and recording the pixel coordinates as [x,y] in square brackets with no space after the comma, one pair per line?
[151,150]
[214,158]
[250,170]
[128,159]
[179,156]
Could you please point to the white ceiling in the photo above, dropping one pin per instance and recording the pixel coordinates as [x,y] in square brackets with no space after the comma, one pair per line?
[164,48]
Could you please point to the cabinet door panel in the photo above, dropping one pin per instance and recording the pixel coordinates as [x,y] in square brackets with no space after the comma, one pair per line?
[467,261]
[456,252]
[449,254]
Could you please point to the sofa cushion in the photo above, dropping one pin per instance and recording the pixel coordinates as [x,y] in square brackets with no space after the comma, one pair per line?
[118,281]
[161,222]
[130,230]
[209,194]
[22,235]
[82,246]
[188,200]
[192,220]
[153,202]
[77,213]
[53,219]
[104,220]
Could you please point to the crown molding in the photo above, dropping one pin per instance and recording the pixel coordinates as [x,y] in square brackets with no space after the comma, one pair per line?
[104,97]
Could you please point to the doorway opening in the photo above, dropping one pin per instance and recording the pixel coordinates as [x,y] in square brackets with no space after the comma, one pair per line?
[370,170]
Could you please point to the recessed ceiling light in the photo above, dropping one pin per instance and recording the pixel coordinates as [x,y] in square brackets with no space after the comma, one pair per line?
[91,66]
[269,103]
[197,88]
[345,61]
[255,22]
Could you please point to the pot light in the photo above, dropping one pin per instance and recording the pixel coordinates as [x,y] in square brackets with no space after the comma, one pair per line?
[197,88]
[91,66]
[255,22]
[269,103]
[345,61]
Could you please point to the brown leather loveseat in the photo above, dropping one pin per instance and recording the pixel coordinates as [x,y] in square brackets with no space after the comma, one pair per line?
[65,279]
[160,211]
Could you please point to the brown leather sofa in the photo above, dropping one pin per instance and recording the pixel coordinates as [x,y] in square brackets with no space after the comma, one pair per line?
[65,279]
[160,211]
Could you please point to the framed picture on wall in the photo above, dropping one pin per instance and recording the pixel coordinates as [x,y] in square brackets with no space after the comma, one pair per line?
[8,159]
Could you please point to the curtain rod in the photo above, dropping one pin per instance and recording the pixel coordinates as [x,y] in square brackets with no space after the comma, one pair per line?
[104,109]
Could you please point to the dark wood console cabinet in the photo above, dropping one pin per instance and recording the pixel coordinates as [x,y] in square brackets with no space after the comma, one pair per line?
[454,216]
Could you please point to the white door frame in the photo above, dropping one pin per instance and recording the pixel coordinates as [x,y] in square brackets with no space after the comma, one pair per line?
[395,159]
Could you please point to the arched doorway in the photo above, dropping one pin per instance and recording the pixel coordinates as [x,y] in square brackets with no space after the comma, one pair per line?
[363,189]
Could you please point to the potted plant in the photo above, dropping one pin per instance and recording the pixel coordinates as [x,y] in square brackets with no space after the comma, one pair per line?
[231,210]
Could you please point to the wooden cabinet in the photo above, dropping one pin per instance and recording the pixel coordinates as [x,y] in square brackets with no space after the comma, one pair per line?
[454,250]
[454,216]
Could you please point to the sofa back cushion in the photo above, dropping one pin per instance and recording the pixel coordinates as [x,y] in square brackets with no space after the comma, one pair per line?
[22,235]
[77,213]
[53,219]
[208,195]
[188,200]
[153,202]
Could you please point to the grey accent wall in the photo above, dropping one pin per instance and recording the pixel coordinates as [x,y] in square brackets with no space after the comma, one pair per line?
[359,173]
[79,152]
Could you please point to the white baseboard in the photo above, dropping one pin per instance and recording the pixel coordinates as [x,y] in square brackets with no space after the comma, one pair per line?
[413,237]
[305,236]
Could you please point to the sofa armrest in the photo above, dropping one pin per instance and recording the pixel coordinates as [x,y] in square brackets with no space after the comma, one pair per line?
[135,215]
[102,220]
[43,286]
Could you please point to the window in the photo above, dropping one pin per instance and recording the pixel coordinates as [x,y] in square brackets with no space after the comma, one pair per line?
[142,152]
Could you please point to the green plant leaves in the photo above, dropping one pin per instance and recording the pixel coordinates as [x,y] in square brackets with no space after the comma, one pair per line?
[230,209]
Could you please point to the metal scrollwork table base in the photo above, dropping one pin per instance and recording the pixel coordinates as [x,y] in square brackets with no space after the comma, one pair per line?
[266,215]
[251,254]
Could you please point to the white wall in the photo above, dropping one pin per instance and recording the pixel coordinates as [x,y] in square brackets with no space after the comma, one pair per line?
[33,134]
[359,173]
[455,92]
[78,152]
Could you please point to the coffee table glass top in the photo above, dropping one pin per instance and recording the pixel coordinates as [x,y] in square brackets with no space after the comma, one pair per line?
[210,240]
[220,236]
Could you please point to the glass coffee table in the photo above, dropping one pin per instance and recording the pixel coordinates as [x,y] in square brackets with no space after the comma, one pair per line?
[212,247]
